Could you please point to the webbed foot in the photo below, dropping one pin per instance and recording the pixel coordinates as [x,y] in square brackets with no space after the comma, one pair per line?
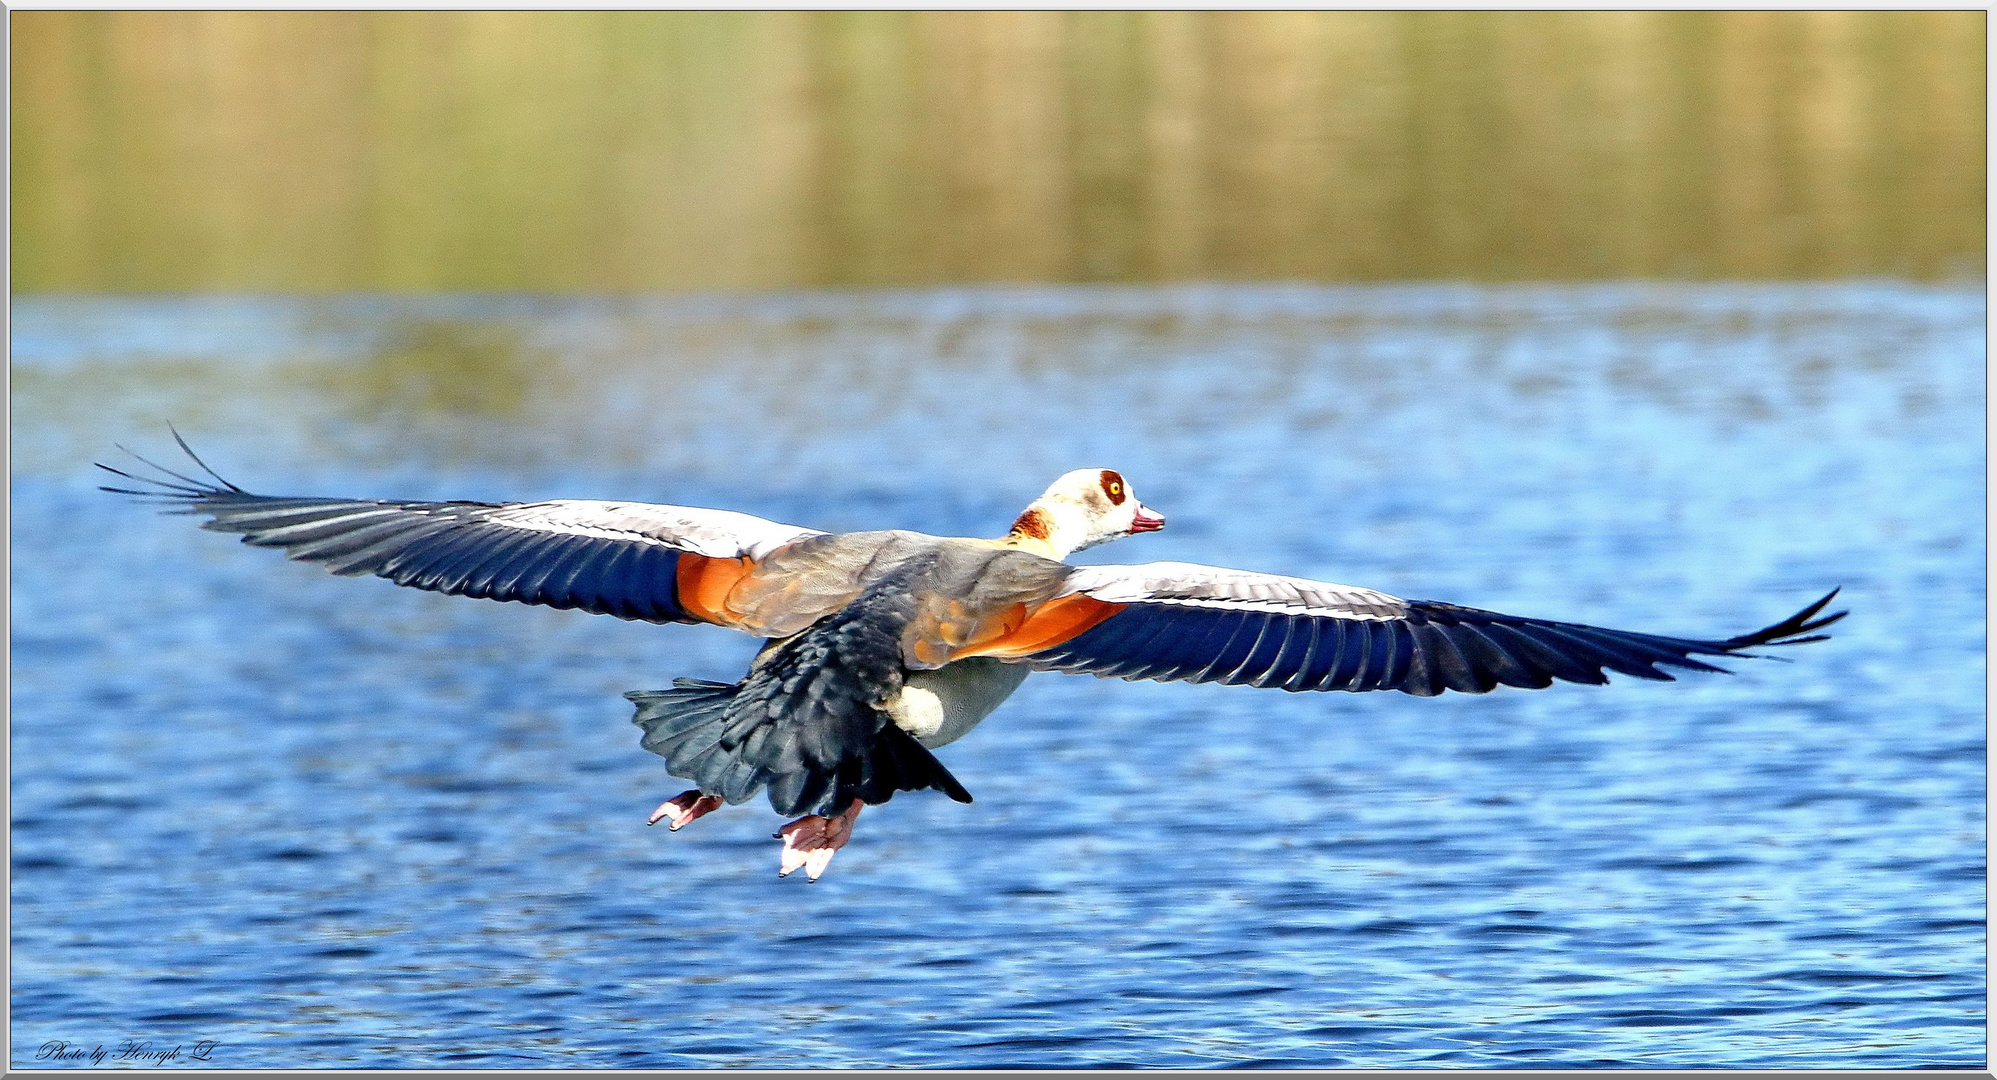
[811,841]
[681,810]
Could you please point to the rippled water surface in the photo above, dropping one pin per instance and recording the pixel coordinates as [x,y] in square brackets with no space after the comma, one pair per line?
[323,821]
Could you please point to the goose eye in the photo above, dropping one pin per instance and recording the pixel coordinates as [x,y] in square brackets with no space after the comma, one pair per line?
[1113,488]
[1112,485]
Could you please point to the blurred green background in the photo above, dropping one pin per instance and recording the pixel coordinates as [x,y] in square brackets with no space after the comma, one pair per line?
[583,152]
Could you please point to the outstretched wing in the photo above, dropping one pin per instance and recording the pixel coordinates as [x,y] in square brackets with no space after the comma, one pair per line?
[632,560]
[1173,621]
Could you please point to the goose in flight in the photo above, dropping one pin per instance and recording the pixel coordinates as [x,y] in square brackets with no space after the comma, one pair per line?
[882,646]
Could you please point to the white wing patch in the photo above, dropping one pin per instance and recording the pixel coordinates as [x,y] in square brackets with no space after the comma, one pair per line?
[718,534]
[1194,585]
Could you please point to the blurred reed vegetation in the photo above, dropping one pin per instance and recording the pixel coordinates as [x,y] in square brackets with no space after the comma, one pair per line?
[634,151]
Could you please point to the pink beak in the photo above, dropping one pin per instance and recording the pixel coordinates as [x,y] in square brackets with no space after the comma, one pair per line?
[1146,521]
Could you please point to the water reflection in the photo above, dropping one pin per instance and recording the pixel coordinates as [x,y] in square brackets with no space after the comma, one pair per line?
[478,368]
[747,385]
[589,151]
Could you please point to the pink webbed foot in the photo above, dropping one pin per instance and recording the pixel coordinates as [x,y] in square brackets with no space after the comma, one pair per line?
[811,841]
[684,808]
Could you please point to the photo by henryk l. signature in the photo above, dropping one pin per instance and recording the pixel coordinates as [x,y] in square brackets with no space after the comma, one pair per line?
[144,1051]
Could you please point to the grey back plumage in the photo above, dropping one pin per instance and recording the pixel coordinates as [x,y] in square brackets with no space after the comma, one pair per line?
[807,721]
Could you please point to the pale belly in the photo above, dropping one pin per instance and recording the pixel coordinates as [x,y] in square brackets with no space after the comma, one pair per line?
[938,707]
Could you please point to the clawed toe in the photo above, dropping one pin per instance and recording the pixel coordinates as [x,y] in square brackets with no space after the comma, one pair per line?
[684,808]
[811,841]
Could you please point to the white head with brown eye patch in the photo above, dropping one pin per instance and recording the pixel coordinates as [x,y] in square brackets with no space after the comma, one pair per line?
[1080,510]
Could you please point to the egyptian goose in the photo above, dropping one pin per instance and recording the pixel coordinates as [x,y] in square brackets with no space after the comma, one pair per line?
[882,646]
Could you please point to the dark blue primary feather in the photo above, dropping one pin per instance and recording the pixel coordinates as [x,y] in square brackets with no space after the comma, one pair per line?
[446,547]
[1433,648]
[1269,641]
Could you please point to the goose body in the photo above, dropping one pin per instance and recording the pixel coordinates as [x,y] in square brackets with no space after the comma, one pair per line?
[883,646]
[941,706]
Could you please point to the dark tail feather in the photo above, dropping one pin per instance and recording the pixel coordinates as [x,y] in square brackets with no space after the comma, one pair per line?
[900,763]
[690,727]
[694,711]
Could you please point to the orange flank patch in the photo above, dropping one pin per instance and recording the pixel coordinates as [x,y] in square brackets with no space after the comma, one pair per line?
[957,631]
[1048,625]
[704,584]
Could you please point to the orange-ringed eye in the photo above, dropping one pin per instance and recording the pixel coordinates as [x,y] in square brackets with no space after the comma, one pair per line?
[1112,486]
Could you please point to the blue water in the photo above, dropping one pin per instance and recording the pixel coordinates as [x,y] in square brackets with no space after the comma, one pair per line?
[328,822]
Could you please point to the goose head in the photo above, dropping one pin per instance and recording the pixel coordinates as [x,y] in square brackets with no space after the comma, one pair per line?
[1080,510]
